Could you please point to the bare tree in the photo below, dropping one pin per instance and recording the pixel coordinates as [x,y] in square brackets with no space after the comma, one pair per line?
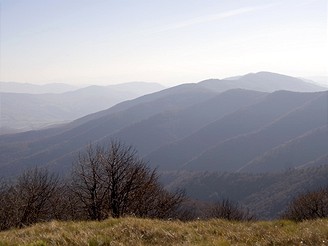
[26,201]
[6,205]
[226,209]
[64,205]
[88,181]
[105,182]
[33,189]
[115,181]
[124,175]
[309,205]
[156,202]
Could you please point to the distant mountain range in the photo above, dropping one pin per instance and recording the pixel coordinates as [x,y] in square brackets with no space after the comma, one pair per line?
[196,127]
[26,111]
[259,139]
[262,81]
[15,87]
[29,107]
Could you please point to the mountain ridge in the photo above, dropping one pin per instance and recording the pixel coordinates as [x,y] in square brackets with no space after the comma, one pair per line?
[189,123]
[262,81]
[24,111]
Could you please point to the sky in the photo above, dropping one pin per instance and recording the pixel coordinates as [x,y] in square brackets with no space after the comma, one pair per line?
[164,41]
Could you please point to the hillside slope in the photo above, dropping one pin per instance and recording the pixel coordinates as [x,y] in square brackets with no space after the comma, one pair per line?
[43,150]
[234,153]
[296,152]
[186,127]
[265,194]
[23,111]
[247,119]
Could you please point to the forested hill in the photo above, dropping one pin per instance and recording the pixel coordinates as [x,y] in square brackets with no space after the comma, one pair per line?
[190,127]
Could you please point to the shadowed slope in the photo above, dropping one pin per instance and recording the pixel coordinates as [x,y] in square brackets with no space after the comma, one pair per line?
[247,119]
[234,153]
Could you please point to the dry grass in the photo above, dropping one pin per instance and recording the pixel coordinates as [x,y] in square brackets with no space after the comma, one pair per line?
[133,231]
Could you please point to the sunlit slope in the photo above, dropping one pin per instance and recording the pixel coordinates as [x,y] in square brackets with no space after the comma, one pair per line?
[132,231]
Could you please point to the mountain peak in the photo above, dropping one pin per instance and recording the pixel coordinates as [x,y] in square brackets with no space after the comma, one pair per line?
[262,81]
[266,74]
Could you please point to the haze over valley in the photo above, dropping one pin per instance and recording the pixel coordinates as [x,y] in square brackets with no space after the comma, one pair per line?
[258,123]
[22,110]
[168,110]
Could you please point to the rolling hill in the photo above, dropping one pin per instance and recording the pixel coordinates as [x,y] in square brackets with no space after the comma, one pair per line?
[28,88]
[187,127]
[262,81]
[46,149]
[22,111]
[197,151]
[232,154]
[299,151]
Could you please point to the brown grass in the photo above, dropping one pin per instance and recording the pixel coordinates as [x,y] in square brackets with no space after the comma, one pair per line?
[133,231]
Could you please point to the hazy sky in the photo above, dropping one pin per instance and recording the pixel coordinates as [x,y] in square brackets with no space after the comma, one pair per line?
[166,41]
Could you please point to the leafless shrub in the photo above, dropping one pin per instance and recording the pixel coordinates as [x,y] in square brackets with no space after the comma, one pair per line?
[226,209]
[309,205]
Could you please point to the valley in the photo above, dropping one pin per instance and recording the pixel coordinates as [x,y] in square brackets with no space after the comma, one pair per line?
[213,142]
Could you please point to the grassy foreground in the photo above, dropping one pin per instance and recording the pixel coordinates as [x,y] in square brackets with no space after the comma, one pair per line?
[133,231]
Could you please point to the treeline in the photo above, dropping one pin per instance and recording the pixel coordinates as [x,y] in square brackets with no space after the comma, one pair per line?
[265,194]
[113,181]
[104,183]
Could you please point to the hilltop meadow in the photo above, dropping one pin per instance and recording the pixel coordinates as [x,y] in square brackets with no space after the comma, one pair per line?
[135,231]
